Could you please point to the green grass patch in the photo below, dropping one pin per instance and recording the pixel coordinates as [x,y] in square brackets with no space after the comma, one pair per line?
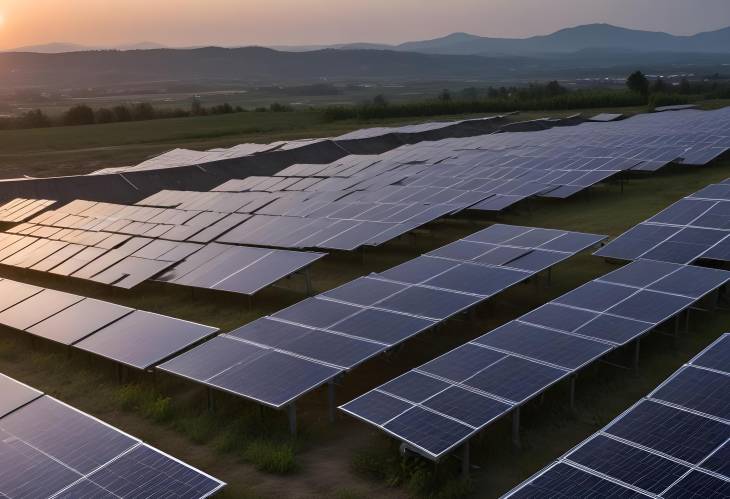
[146,401]
[271,456]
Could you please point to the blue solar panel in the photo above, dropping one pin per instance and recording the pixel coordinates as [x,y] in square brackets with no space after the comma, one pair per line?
[557,317]
[698,484]
[651,307]
[566,481]
[430,303]
[698,389]
[467,406]
[572,242]
[542,344]
[429,431]
[364,291]
[418,270]
[537,260]
[274,379]
[27,472]
[614,329]
[414,387]
[316,312]
[515,379]
[641,273]
[377,407]
[477,279]
[682,212]
[157,474]
[501,255]
[678,433]
[462,250]
[462,363]
[14,395]
[497,234]
[598,296]
[719,461]
[716,357]
[628,464]
[637,241]
[66,435]
[535,238]
[691,281]
[211,358]
[379,325]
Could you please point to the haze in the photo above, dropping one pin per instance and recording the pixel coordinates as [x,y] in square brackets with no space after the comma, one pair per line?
[286,22]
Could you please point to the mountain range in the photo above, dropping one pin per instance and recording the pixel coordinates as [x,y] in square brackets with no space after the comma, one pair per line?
[589,36]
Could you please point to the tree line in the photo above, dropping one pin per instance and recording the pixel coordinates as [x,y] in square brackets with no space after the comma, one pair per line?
[83,114]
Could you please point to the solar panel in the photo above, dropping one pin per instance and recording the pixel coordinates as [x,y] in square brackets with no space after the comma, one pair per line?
[15,395]
[521,359]
[142,339]
[672,443]
[49,449]
[79,321]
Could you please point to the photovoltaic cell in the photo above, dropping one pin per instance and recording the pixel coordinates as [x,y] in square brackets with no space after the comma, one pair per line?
[698,389]
[15,395]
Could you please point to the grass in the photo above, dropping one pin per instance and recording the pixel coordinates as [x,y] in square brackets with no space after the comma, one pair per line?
[252,451]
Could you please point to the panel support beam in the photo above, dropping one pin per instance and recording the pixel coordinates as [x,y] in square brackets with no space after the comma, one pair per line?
[516,428]
[465,460]
[637,348]
[291,410]
[331,400]
[572,392]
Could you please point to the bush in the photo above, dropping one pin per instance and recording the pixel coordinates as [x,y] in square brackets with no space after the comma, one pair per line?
[280,108]
[79,115]
[146,401]
[271,457]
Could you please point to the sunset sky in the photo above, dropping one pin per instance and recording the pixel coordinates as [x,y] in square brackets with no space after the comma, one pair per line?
[279,22]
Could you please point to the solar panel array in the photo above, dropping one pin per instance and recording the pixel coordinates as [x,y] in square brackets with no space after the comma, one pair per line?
[20,209]
[277,359]
[124,246]
[131,337]
[49,449]
[673,443]
[695,227]
[439,405]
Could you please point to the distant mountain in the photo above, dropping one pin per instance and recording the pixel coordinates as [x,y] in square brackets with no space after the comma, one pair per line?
[60,47]
[589,36]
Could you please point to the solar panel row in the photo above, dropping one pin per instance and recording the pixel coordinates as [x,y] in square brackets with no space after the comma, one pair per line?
[319,338]
[695,227]
[126,261]
[49,449]
[673,443]
[20,209]
[131,337]
[437,406]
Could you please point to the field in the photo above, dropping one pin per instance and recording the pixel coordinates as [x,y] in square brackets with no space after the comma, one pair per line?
[251,450]
[58,151]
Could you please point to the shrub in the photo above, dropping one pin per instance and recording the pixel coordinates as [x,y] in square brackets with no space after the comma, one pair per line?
[271,457]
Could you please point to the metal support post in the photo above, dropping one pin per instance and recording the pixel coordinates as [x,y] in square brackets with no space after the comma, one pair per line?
[516,428]
[292,412]
[465,464]
[331,399]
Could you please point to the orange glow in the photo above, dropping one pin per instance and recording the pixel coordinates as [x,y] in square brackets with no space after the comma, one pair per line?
[287,22]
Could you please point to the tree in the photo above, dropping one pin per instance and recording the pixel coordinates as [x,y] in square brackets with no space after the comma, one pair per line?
[684,87]
[79,115]
[638,83]
[143,111]
[196,108]
[659,86]
[470,94]
[122,113]
[445,95]
[554,88]
[35,119]
[380,101]
[104,115]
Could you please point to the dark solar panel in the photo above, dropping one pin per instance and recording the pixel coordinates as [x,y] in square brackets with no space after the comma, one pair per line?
[628,464]
[698,389]
[429,303]
[142,339]
[678,433]
[562,480]
[79,321]
[428,431]
[14,395]
[37,308]
[698,484]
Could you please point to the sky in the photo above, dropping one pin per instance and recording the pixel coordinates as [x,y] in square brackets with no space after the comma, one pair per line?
[183,23]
